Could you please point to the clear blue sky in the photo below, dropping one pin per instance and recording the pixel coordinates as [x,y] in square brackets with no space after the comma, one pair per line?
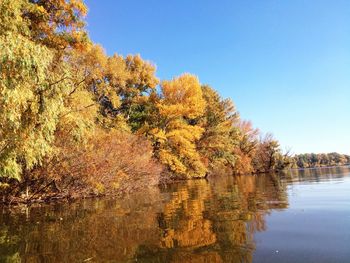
[285,64]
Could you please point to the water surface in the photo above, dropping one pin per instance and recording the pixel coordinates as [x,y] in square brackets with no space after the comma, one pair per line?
[300,216]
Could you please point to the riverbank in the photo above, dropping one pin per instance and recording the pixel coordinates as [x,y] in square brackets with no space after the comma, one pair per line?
[51,193]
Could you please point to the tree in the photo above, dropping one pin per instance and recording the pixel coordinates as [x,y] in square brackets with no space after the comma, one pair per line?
[219,138]
[267,155]
[321,159]
[41,91]
[121,86]
[61,94]
[57,24]
[177,132]
[32,91]
[137,91]
[245,150]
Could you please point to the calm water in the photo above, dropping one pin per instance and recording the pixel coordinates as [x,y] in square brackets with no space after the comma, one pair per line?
[296,217]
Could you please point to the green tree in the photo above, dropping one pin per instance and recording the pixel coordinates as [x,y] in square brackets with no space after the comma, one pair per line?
[220,136]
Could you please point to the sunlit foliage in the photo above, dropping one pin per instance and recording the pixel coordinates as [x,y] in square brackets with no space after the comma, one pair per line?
[218,142]
[175,137]
[63,96]
[247,144]
[34,85]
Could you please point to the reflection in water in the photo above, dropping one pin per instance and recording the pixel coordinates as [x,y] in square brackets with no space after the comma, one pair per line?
[190,221]
[215,221]
[316,174]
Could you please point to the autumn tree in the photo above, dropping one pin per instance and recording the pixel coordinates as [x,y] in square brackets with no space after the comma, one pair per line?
[138,92]
[34,81]
[56,24]
[44,95]
[245,150]
[121,86]
[266,154]
[177,132]
[220,135]
[62,95]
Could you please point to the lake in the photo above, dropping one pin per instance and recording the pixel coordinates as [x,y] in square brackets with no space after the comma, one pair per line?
[297,216]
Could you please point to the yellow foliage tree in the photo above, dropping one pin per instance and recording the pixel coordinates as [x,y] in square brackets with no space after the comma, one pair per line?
[45,66]
[176,134]
[58,24]
[35,81]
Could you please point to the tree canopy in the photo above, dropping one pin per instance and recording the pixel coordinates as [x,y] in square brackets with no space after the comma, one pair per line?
[62,95]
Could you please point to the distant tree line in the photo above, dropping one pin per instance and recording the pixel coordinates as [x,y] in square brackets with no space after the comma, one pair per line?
[310,160]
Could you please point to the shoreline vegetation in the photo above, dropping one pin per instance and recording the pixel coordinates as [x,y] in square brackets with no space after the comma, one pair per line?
[315,160]
[78,123]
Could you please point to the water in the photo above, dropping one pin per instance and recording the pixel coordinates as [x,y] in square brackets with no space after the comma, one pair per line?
[296,217]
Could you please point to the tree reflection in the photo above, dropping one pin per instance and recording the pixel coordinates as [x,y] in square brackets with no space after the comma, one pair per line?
[315,174]
[215,221]
[93,230]
[240,212]
[183,221]
[192,221]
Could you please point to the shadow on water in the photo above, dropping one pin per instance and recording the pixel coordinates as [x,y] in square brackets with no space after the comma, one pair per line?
[193,221]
